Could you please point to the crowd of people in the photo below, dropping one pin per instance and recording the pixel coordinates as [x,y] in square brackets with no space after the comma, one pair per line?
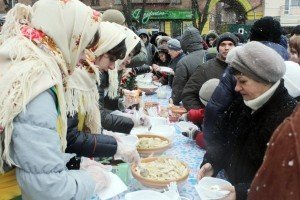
[65,70]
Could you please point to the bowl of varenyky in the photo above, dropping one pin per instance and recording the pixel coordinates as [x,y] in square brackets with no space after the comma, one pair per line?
[151,144]
[159,172]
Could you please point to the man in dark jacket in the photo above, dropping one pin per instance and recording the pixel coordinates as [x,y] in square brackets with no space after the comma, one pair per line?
[191,45]
[214,68]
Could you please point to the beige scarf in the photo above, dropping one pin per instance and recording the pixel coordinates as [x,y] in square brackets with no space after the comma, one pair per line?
[81,91]
[131,41]
[82,94]
[111,36]
[31,62]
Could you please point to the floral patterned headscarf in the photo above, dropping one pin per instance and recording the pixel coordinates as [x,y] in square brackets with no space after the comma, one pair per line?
[40,47]
[70,23]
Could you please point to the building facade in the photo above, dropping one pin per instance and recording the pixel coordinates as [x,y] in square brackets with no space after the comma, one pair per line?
[174,16]
[286,11]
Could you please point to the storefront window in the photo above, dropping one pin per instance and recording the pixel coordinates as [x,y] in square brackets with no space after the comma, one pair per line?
[176,28]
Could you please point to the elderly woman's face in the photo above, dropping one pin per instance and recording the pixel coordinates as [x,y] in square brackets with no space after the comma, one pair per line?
[249,88]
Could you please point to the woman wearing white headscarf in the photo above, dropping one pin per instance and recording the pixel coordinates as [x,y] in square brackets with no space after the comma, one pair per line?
[110,86]
[82,138]
[40,48]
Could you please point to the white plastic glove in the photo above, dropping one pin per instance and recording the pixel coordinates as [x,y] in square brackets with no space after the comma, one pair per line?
[97,171]
[139,118]
[126,150]
[183,117]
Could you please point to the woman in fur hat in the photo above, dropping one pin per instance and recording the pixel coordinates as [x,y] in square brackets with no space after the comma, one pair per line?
[240,137]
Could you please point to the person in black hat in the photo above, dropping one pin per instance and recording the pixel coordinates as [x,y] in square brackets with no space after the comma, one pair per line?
[269,32]
[259,32]
[213,68]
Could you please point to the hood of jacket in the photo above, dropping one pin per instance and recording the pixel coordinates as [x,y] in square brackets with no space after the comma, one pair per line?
[191,40]
[144,32]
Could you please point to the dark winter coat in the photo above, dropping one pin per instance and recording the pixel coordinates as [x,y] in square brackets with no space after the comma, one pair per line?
[213,68]
[87,144]
[279,176]
[240,138]
[173,65]
[221,99]
[190,44]
[278,48]
[109,121]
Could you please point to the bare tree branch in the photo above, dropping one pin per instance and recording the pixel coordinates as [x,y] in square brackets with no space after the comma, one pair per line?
[203,16]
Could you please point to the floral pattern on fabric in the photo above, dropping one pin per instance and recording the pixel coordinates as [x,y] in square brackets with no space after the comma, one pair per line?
[96,16]
[64,1]
[77,42]
[88,62]
[44,42]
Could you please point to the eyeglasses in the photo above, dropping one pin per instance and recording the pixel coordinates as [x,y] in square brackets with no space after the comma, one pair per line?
[112,58]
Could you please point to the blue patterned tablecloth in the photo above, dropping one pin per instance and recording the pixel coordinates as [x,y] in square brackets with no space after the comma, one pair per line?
[186,150]
[183,149]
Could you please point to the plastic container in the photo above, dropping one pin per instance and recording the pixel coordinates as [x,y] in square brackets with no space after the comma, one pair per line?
[210,188]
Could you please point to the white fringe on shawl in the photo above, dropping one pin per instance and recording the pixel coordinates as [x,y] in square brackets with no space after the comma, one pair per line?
[20,14]
[25,72]
[113,81]
[82,97]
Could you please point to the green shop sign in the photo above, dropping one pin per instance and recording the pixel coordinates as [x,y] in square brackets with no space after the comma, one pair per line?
[162,14]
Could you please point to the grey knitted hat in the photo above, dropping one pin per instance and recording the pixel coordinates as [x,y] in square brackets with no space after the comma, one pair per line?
[258,62]
[113,15]
[208,89]
[174,44]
